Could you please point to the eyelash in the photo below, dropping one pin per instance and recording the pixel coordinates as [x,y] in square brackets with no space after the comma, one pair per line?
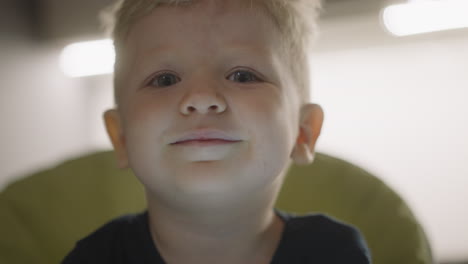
[160,74]
[255,75]
[252,73]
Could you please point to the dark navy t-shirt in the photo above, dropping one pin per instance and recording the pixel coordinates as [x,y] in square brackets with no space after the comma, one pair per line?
[313,238]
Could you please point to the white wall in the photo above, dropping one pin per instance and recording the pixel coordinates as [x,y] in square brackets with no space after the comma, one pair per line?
[41,111]
[401,111]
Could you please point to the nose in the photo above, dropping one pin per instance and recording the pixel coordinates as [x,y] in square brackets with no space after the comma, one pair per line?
[203,101]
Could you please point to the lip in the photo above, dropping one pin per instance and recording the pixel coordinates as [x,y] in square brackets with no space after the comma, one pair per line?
[209,142]
[205,137]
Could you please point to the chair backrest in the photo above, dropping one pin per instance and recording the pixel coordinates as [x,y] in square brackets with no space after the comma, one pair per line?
[43,215]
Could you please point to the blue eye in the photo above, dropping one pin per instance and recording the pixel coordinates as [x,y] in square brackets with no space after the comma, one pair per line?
[243,76]
[164,80]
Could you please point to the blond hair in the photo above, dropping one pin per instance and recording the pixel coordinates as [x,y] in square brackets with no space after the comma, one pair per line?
[295,20]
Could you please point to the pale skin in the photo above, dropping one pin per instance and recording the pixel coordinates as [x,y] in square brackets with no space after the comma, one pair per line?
[198,68]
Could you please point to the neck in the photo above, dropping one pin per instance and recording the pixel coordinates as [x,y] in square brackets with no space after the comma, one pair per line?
[232,234]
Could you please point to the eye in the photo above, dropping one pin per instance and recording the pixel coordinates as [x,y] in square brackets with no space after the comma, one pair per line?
[164,80]
[243,76]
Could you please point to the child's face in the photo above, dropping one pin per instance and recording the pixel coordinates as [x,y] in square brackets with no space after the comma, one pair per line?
[206,68]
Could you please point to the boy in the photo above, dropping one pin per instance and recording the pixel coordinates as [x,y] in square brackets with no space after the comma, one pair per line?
[211,108]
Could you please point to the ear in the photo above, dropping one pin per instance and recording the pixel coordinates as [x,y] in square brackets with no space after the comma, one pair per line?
[114,130]
[310,126]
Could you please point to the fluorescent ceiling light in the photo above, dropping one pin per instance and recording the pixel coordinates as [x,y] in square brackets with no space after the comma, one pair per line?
[418,17]
[88,58]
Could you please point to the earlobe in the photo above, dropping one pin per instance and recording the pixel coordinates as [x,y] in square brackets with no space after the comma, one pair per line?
[310,126]
[114,130]
[302,154]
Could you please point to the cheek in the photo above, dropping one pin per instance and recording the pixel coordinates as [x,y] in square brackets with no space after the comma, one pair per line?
[276,138]
[271,129]
[271,119]
[273,148]
[145,105]
[146,119]
[142,124]
[150,111]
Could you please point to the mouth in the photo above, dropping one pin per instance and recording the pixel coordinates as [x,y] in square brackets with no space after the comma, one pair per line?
[205,145]
[205,138]
[205,142]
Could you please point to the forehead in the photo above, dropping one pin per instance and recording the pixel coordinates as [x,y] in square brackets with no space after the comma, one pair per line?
[203,24]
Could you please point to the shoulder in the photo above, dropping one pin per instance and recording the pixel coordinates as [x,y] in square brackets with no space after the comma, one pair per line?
[107,244]
[319,237]
[323,228]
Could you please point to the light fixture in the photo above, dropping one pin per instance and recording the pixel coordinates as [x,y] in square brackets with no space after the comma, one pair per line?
[416,17]
[88,58]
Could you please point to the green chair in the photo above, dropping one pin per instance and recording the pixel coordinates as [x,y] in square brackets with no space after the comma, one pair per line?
[43,215]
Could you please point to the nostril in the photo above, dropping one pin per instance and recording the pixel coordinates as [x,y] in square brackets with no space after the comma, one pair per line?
[214,107]
[191,109]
